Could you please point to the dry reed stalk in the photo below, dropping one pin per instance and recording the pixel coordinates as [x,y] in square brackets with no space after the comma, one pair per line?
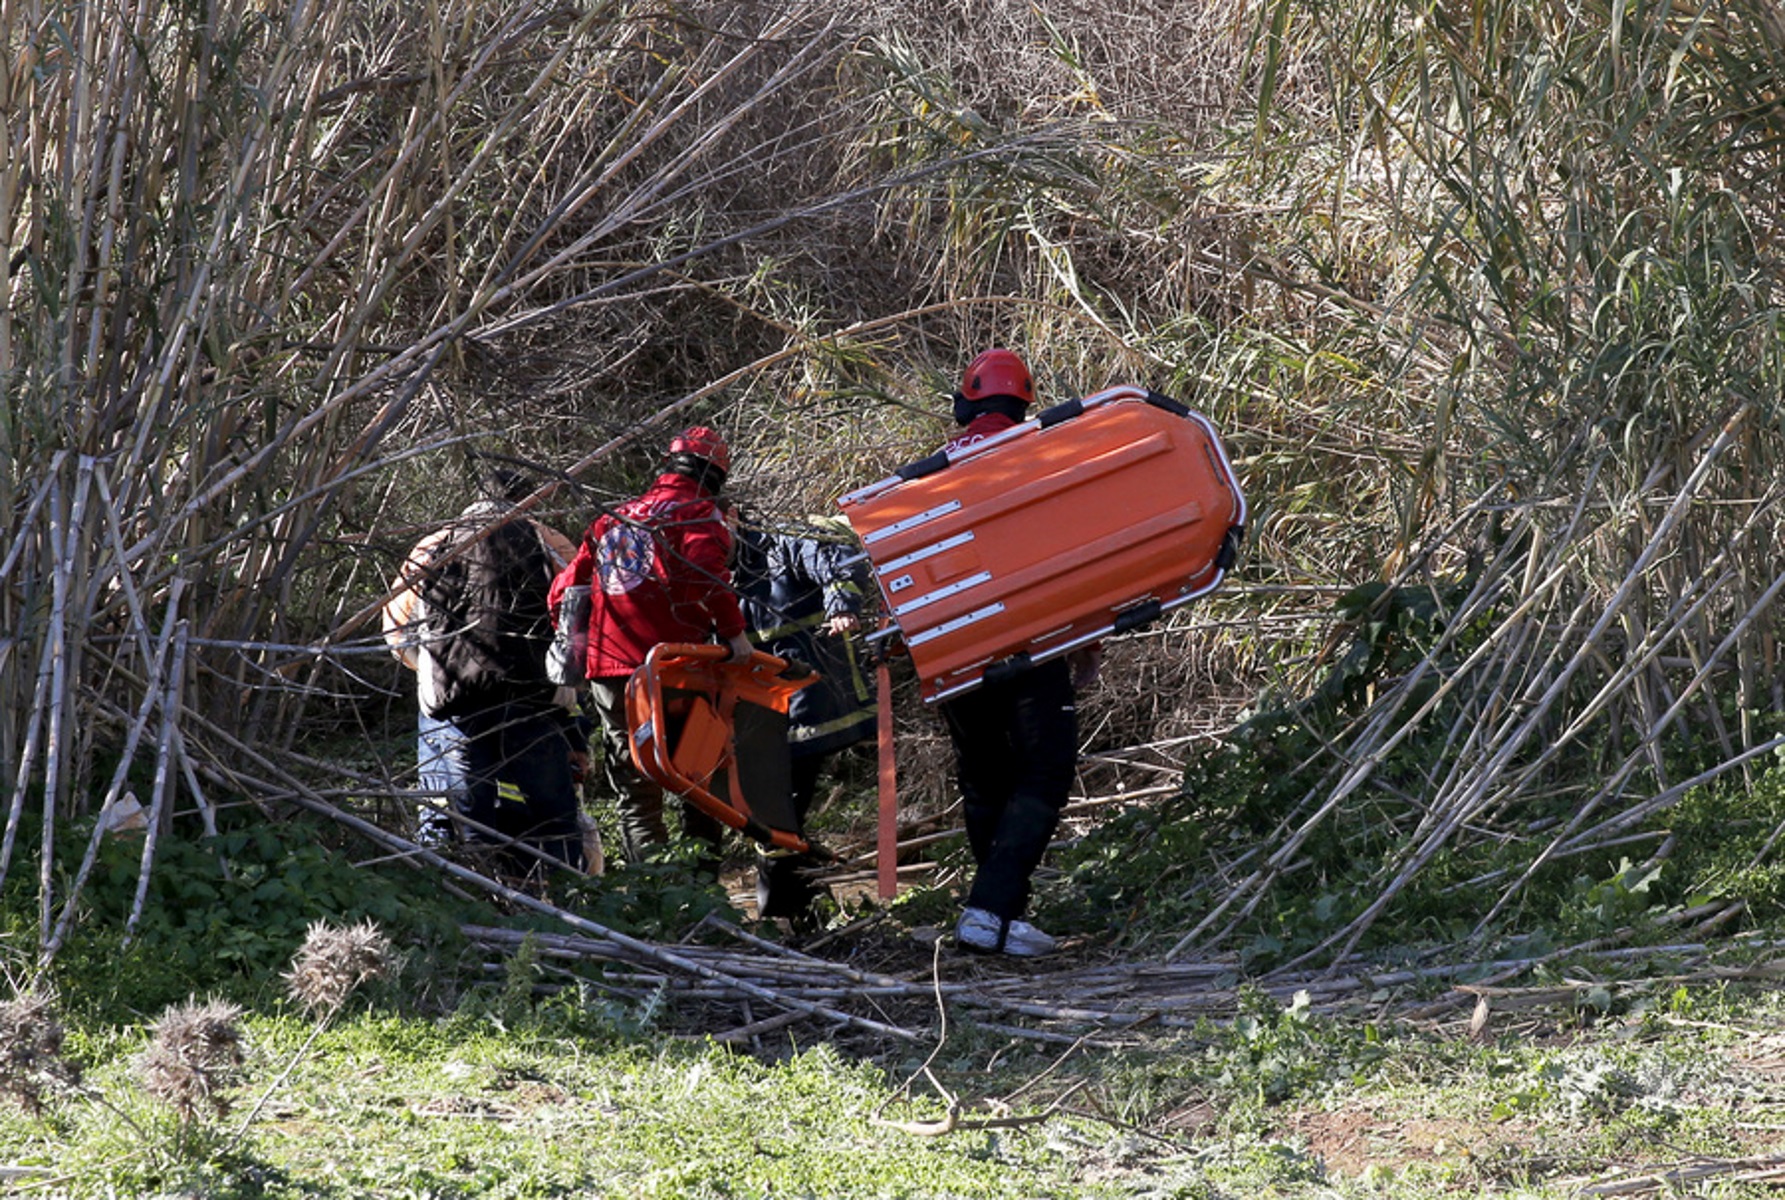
[158,804]
[62,534]
[1121,995]
[1644,751]
[1644,656]
[206,810]
[1386,728]
[1474,796]
[1437,827]
[154,695]
[21,785]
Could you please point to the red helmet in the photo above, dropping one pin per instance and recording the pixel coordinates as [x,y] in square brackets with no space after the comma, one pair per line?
[704,443]
[998,373]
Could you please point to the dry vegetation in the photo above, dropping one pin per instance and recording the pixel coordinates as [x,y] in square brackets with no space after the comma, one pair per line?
[1484,300]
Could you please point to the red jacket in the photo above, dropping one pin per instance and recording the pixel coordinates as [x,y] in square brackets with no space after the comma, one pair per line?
[983,426]
[657,570]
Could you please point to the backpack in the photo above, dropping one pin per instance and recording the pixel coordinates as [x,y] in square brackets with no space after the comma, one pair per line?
[486,622]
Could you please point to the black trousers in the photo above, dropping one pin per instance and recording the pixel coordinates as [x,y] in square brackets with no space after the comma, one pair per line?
[784,886]
[1016,751]
[518,781]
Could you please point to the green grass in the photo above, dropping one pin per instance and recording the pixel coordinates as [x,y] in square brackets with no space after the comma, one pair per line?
[392,1107]
[444,1079]
[561,1104]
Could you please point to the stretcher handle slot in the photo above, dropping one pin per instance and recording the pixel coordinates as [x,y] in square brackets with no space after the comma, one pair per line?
[761,665]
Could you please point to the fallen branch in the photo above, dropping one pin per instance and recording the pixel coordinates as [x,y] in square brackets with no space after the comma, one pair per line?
[1767,1169]
[953,1123]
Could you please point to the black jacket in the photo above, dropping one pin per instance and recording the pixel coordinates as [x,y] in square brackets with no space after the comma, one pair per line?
[790,584]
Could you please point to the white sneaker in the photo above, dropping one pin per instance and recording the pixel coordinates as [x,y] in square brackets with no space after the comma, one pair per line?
[981,930]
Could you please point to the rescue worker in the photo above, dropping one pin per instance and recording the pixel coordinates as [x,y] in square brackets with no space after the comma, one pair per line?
[803,592]
[1015,739]
[495,738]
[657,568]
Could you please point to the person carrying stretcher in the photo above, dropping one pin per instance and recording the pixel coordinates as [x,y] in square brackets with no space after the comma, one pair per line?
[1015,739]
[657,568]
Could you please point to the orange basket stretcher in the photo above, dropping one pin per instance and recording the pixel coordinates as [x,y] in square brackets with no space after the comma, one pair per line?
[1093,518]
[715,732]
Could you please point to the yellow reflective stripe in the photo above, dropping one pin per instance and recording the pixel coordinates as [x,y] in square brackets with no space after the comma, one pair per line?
[805,733]
[858,679]
[789,628]
[510,792]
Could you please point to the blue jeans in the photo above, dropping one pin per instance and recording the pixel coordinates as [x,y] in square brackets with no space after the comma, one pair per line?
[442,762]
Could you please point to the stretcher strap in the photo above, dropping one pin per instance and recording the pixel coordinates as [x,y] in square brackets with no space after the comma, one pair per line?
[886,852]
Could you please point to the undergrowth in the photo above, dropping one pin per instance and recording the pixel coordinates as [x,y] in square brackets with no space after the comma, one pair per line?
[538,1081]
[1154,871]
[223,915]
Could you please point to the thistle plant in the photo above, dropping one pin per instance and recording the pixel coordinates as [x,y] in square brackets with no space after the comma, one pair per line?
[327,969]
[194,1058]
[31,1061]
[333,963]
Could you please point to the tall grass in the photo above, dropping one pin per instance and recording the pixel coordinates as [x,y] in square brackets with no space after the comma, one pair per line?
[1585,300]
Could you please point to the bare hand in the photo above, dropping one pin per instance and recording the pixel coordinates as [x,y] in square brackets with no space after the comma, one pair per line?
[843,623]
[1085,664]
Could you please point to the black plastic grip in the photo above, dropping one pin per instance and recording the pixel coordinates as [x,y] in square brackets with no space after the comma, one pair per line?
[923,466]
[1161,400]
[1010,668]
[1064,411]
[1134,618]
[1229,552]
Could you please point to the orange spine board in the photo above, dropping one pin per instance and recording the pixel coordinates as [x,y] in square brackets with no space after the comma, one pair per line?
[1043,538]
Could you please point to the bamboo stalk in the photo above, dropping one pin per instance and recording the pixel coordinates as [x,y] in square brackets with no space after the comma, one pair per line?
[207,812]
[1648,745]
[34,727]
[1346,940]
[55,737]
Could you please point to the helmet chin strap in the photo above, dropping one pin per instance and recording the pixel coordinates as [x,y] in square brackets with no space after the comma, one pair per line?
[965,410]
[703,471]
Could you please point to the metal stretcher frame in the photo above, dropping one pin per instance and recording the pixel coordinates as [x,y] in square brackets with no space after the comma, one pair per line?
[690,711]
